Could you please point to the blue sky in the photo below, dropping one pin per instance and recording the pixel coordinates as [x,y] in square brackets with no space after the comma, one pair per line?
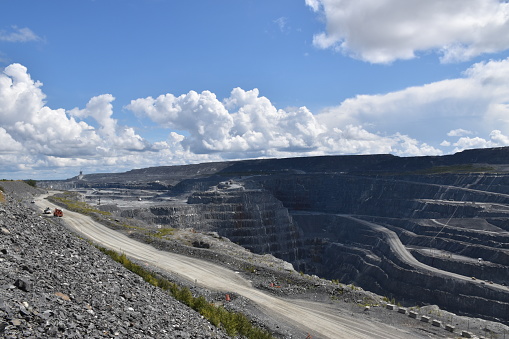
[111,85]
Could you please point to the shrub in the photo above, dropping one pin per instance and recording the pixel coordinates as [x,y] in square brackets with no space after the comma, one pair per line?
[78,206]
[162,232]
[31,182]
[233,323]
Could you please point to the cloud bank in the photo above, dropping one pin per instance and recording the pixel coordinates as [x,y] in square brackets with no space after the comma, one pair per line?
[40,141]
[476,103]
[384,31]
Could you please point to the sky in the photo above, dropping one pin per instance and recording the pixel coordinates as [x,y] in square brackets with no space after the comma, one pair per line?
[113,85]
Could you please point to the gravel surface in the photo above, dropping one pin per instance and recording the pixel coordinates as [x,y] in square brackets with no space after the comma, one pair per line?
[53,284]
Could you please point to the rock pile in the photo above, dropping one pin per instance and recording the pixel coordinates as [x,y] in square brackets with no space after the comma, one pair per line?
[53,284]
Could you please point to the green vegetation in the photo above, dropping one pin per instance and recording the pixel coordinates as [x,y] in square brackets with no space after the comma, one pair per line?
[30,182]
[70,202]
[250,269]
[390,301]
[163,232]
[233,323]
[124,225]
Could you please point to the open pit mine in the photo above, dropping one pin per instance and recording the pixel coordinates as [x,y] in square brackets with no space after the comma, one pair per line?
[420,230]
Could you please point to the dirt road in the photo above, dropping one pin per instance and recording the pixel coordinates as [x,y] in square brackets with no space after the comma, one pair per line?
[402,252]
[309,317]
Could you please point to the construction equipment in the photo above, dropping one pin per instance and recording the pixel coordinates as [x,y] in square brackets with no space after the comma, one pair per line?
[58,213]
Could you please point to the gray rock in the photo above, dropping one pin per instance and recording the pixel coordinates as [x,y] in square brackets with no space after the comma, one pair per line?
[75,291]
[23,284]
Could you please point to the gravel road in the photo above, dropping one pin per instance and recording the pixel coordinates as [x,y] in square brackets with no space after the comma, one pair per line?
[402,252]
[56,285]
[308,317]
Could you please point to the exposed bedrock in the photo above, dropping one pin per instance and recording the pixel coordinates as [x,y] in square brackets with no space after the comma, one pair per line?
[487,271]
[386,196]
[296,217]
[352,252]
[491,182]
[252,218]
[462,243]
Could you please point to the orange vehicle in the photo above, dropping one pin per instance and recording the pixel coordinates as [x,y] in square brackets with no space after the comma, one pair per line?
[58,213]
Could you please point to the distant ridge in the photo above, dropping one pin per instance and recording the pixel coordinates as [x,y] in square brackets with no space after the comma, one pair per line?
[367,164]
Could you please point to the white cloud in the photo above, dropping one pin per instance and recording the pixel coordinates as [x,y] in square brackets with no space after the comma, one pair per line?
[458,132]
[202,115]
[496,139]
[49,137]
[467,143]
[40,141]
[7,143]
[18,35]
[249,125]
[477,101]
[412,147]
[384,31]
[282,23]
[101,110]
[244,122]
[314,4]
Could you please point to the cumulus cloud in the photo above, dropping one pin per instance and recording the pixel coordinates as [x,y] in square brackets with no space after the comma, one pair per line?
[384,31]
[495,139]
[8,144]
[248,125]
[18,35]
[477,101]
[314,4]
[100,108]
[202,115]
[53,137]
[27,120]
[244,122]
[458,132]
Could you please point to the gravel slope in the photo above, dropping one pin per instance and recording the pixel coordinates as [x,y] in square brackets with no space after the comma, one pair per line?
[53,284]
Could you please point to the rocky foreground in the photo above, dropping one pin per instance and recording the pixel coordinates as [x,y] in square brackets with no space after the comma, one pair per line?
[53,284]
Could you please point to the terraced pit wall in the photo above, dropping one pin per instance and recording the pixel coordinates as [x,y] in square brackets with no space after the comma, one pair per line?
[464,221]
[253,219]
[298,218]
